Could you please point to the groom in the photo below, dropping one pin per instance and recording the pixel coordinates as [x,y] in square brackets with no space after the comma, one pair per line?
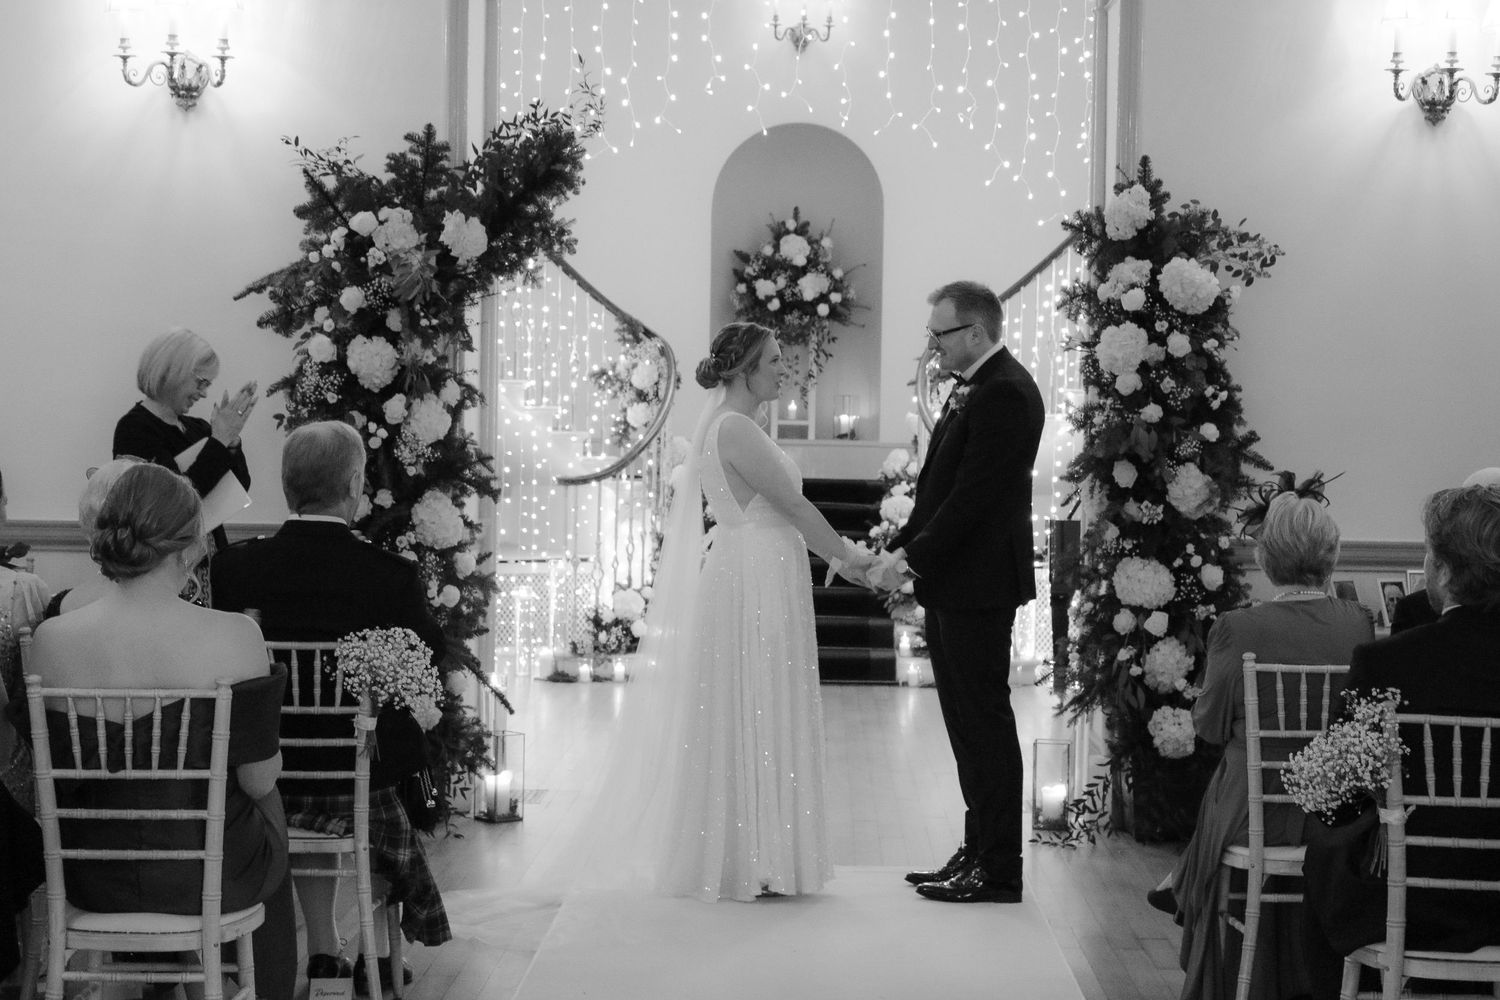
[967,545]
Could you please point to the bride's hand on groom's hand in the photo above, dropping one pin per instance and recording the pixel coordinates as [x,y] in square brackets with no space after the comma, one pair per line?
[888,572]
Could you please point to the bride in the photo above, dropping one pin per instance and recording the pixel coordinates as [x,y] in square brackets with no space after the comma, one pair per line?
[717,779]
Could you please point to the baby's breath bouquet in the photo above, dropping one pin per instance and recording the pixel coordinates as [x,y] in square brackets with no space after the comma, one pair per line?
[1338,771]
[395,668]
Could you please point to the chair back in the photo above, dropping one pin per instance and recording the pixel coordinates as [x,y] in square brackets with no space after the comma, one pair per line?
[1304,700]
[155,724]
[315,689]
[1466,747]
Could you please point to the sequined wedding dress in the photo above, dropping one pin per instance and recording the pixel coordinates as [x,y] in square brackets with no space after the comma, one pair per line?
[748,810]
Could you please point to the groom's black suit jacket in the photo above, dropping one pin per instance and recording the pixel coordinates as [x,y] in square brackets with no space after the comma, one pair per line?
[314,581]
[968,539]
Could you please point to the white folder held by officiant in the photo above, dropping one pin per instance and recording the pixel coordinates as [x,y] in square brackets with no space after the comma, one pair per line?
[226,499]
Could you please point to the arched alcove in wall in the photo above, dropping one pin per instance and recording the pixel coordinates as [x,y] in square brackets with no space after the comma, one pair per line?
[831,180]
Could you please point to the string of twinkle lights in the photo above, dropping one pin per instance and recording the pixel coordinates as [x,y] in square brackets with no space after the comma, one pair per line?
[926,70]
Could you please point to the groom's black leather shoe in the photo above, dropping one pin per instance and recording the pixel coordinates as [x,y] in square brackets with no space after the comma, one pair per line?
[972,885]
[955,865]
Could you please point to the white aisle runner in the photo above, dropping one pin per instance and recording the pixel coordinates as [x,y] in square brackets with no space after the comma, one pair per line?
[867,936]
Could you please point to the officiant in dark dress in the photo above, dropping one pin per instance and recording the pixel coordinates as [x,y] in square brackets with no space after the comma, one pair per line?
[176,370]
[967,544]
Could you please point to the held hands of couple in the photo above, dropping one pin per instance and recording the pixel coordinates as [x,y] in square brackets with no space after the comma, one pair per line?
[890,571]
[229,415]
[884,571]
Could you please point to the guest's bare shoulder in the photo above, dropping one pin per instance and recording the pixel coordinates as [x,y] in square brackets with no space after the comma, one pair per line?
[232,642]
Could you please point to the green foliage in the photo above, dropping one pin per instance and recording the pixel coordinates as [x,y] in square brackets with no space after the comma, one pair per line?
[1165,453]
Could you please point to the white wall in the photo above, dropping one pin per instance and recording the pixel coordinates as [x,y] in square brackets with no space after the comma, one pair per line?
[1373,348]
[124,216]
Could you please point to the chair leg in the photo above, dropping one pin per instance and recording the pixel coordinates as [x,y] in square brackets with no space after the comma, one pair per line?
[1350,984]
[1251,934]
[213,972]
[397,943]
[244,950]
[35,929]
[364,892]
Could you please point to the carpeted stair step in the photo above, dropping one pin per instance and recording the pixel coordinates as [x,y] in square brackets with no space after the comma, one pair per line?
[847,600]
[867,491]
[856,665]
[855,630]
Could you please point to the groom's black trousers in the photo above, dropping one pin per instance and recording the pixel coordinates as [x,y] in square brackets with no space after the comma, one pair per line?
[970,652]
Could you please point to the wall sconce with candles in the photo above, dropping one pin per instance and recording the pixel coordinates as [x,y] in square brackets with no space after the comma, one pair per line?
[1436,89]
[802,34]
[184,75]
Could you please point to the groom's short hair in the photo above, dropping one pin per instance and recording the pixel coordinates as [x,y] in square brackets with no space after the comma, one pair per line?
[317,463]
[973,302]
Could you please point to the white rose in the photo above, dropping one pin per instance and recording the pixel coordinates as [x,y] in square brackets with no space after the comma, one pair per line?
[393,320]
[449,596]
[450,393]
[314,256]
[352,298]
[395,232]
[773,305]
[822,309]
[395,409]
[793,247]
[835,297]
[1210,432]
[464,237]
[384,498]
[1127,384]
[645,375]
[767,250]
[1151,413]
[364,223]
[1156,623]
[464,563]
[320,315]
[1125,473]
[1133,299]
[320,349]
[812,284]
[1212,577]
[638,414]
[764,289]
[742,288]
[336,238]
[1124,622]
[1178,345]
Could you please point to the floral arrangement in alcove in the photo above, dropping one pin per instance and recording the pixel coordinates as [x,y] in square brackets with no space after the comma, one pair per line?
[377,303]
[1165,453]
[792,285]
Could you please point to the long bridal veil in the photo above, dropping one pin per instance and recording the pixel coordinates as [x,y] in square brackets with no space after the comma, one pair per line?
[618,835]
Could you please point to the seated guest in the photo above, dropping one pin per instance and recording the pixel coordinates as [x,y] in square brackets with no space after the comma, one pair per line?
[94,491]
[1421,607]
[1297,547]
[140,635]
[314,580]
[1451,667]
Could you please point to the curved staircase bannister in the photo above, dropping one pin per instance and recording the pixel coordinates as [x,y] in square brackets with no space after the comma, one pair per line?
[924,380]
[659,422]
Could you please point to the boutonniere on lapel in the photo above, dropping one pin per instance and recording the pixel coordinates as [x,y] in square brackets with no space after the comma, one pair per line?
[959,397]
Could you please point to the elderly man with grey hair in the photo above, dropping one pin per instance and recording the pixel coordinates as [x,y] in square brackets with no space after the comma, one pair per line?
[1422,607]
[316,581]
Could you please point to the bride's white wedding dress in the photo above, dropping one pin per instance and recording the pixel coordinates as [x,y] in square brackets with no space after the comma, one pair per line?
[747,813]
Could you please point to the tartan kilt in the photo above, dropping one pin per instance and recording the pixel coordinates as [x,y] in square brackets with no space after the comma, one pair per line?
[396,854]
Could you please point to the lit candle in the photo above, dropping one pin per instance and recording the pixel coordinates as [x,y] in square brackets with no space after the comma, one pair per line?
[1053,798]
[585,670]
[914,674]
[791,409]
[619,668]
[903,644]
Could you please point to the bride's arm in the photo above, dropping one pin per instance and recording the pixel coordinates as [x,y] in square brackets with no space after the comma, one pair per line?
[753,457]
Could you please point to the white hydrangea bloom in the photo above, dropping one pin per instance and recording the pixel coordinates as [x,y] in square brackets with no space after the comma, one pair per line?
[1212,577]
[645,375]
[429,421]
[1125,473]
[464,237]
[793,246]
[896,509]
[1121,349]
[1127,213]
[373,362]
[629,604]
[436,521]
[1172,732]
[1191,491]
[1188,286]
[321,349]
[1143,583]
[395,232]
[812,284]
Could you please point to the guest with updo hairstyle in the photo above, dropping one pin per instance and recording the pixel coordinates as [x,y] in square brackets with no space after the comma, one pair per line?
[138,634]
[736,349]
[95,489]
[1297,546]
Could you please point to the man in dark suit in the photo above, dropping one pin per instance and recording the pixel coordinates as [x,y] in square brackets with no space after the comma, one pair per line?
[315,581]
[967,544]
[1449,667]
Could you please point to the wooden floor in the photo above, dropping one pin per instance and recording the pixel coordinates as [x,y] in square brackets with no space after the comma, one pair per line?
[893,801]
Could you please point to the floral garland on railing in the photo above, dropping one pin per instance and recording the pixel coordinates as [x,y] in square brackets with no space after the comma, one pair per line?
[1164,454]
[377,301]
[637,380]
[792,286]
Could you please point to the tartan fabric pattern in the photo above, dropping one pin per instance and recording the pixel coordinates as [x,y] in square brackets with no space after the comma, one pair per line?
[396,854]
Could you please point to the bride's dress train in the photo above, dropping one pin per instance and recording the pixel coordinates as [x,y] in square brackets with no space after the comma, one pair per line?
[748,811]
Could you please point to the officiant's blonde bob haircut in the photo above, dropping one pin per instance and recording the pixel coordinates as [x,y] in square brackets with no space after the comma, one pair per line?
[1298,543]
[172,358]
[317,463]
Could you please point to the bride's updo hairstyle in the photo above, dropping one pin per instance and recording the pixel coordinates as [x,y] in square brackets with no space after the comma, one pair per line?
[151,513]
[736,349]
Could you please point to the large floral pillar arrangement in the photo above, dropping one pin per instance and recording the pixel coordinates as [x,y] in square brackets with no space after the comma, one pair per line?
[1165,452]
[377,304]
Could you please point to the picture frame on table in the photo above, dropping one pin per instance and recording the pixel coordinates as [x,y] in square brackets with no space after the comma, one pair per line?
[1416,580]
[1389,590]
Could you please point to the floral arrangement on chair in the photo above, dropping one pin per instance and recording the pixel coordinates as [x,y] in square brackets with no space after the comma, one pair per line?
[1164,453]
[1343,769]
[616,630]
[792,286]
[637,380]
[394,668]
[376,303]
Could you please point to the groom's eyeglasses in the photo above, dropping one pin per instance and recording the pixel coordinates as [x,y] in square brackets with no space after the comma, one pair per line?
[935,334]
